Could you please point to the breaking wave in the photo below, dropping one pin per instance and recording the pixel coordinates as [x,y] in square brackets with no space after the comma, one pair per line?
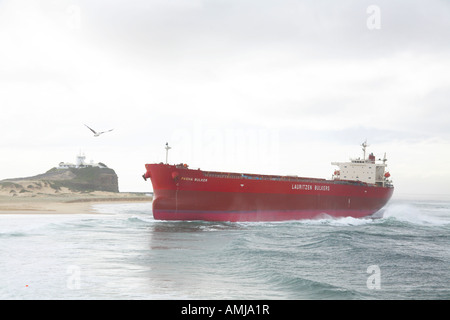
[421,213]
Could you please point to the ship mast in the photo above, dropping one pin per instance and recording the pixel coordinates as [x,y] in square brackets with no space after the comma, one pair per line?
[364,145]
[167,151]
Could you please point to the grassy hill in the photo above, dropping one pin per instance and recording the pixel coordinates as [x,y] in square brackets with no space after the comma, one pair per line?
[86,179]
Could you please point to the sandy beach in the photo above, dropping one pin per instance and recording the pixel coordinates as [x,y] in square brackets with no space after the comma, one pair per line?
[64,204]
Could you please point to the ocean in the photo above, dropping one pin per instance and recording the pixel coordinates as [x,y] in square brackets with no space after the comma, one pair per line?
[121,252]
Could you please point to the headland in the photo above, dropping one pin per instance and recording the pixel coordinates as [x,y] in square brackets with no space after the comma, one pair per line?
[64,189]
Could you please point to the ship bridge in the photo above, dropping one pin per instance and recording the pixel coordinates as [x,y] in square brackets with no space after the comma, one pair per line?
[366,170]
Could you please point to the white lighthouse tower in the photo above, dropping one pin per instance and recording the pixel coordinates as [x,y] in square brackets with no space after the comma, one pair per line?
[80,160]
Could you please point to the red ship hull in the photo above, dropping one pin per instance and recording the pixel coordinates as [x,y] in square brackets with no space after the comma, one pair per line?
[184,194]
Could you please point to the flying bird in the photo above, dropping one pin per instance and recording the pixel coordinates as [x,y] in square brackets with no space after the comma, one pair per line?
[96,134]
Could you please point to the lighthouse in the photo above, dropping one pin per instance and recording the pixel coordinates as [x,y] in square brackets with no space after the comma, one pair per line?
[80,160]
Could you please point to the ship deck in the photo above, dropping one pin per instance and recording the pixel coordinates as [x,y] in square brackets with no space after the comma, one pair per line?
[288,178]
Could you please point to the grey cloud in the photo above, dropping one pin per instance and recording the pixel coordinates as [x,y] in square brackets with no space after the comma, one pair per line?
[308,28]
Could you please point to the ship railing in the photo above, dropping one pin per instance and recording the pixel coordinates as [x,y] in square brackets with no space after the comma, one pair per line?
[259,177]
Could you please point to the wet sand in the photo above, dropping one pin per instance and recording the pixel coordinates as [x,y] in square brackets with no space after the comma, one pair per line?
[64,204]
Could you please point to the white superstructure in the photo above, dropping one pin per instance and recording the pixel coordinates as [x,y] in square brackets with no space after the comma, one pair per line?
[364,170]
[80,163]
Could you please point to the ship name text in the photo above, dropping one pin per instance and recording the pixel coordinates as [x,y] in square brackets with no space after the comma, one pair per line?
[310,187]
[194,179]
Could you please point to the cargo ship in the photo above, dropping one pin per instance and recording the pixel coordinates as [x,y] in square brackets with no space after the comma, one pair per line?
[358,188]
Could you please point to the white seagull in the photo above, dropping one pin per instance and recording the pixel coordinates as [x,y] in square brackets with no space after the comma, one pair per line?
[96,134]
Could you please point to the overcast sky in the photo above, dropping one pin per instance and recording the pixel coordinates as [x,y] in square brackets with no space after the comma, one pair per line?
[276,87]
